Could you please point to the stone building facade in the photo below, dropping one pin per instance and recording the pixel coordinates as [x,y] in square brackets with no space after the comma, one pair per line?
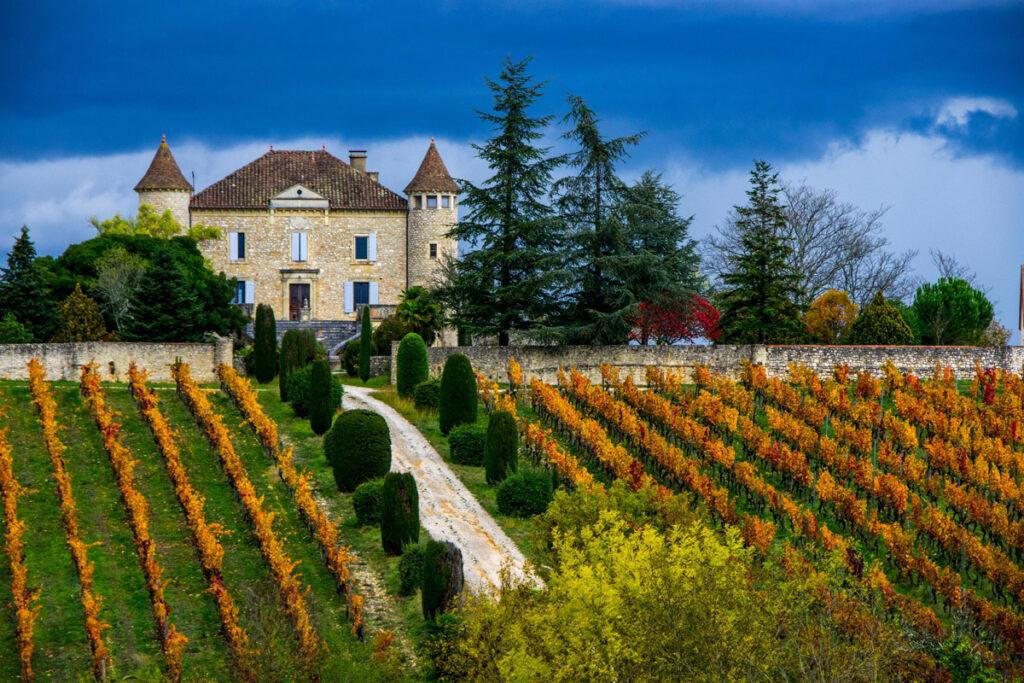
[315,237]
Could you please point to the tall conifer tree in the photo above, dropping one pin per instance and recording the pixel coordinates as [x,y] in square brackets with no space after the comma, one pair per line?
[265,343]
[365,345]
[166,305]
[24,293]
[758,293]
[505,284]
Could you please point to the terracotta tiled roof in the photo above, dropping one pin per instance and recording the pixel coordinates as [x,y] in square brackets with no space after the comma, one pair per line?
[432,174]
[253,185]
[163,173]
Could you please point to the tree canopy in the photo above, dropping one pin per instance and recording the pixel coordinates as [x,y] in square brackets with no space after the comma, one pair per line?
[880,323]
[951,311]
[24,292]
[149,222]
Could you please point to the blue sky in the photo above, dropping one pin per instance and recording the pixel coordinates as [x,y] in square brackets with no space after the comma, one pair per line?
[914,105]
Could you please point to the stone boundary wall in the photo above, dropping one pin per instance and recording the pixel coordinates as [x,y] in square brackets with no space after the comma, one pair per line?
[63,361]
[543,361]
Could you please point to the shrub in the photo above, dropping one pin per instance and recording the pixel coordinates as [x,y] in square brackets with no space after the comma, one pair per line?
[458,400]
[300,391]
[525,494]
[366,501]
[501,447]
[410,570]
[265,344]
[288,361]
[388,330]
[427,394]
[442,579]
[880,323]
[358,447]
[309,348]
[412,364]
[80,319]
[321,405]
[399,512]
[350,358]
[13,332]
[466,444]
[365,346]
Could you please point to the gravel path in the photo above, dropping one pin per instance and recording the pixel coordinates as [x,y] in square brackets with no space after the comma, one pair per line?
[448,511]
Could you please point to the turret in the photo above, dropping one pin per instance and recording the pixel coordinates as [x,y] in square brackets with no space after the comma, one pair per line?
[164,187]
[433,199]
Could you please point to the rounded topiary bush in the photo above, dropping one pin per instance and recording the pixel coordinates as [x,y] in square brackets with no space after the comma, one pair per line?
[412,364]
[426,394]
[442,579]
[466,444]
[501,447]
[358,447]
[300,391]
[399,512]
[322,405]
[366,501]
[410,570]
[458,400]
[525,494]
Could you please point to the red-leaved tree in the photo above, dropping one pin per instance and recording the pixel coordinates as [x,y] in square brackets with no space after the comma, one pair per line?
[668,322]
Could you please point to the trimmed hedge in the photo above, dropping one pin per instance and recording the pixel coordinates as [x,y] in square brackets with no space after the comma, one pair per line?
[466,444]
[442,579]
[427,394]
[322,404]
[501,447]
[410,570]
[412,364]
[458,400]
[300,391]
[288,361]
[358,447]
[265,344]
[366,501]
[525,494]
[365,346]
[399,512]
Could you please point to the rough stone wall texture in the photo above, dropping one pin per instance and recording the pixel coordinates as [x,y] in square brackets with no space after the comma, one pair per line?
[162,200]
[380,366]
[64,361]
[426,227]
[330,258]
[543,361]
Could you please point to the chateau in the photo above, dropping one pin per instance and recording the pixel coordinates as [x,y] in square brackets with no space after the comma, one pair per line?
[315,237]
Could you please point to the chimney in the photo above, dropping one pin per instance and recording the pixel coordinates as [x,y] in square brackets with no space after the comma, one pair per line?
[374,176]
[357,159]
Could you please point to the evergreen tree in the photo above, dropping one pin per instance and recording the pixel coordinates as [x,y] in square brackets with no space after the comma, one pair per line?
[413,364]
[288,362]
[80,319]
[12,331]
[24,293]
[457,399]
[951,311]
[505,284]
[165,306]
[598,313]
[880,323]
[265,344]
[758,293]
[321,407]
[399,512]
[365,345]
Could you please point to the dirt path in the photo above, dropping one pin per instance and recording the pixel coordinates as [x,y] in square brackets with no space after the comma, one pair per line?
[448,511]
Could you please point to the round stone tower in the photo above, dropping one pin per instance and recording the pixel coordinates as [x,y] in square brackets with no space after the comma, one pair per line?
[433,210]
[164,187]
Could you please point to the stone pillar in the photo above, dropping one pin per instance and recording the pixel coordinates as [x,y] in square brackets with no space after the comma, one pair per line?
[223,353]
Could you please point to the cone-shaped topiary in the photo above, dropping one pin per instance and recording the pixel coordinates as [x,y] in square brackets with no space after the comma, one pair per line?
[321,410]
[880,323]
[442,578]
[458,401]
[265,344]
[288,361]
[358,447]
[501,448]
[365,346]
[399,512]
[412,364]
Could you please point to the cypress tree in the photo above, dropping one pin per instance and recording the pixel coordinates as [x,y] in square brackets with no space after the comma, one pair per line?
[400,512]
[458,400]
[165,306]
[265,344]
[80,319]
[289,361]
[501,447]
[365,342]
[24,293]
[412,364]
[320,409]
[441,576]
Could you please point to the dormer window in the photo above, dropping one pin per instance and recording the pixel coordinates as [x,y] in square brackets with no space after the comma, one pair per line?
[432,201]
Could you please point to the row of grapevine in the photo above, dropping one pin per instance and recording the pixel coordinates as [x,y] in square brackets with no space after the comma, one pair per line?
[259,519]
[14,547]
[204,535]
[42,397]
[171,640]
[322,529]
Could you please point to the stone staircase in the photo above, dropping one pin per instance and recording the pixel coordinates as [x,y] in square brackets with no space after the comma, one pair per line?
[331,333]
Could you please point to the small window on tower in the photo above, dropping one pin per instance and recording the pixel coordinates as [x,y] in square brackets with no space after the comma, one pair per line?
[418,201]
[433,251]
[445,201]
[432,201]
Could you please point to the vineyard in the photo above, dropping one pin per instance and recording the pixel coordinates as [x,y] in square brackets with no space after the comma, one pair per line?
[916,485]
[164,531]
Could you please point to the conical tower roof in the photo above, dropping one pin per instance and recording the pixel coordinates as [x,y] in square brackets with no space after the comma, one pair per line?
[163,173]
[432,176]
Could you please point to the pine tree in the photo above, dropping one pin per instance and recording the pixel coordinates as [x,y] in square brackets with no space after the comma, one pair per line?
[505,284]
[586,202]
[80,319]
[758,294]
[265,343]
[24,293]
[165,306]
[880,323]
[365,344]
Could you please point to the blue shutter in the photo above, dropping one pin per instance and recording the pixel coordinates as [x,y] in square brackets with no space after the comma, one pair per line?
[250,294]
[371,247]
[303,254]
[233,246]
[349,306]
[373,293]
[295,246]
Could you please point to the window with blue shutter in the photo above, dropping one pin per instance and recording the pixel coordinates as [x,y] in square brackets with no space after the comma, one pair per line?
[360,293]
[362,248]
[239,292]
[371,247]
[241,246]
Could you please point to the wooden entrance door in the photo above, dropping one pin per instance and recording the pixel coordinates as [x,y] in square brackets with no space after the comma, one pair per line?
[298,299]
